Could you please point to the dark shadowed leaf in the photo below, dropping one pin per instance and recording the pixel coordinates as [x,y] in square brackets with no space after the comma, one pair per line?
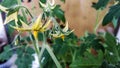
[101,4]
[63,1]
[113,14]
[43,1]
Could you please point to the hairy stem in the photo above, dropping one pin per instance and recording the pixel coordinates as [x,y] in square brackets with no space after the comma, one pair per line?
[97,21]
[23,12]
[36,47]
[53,56]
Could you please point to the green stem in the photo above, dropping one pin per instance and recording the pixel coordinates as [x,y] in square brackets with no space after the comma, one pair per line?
[41,53]
[74,56]
[97,21]
[86,65]
[43,47]
[23,12]
[25,17]
[53,56]
[36,46]
[27,11]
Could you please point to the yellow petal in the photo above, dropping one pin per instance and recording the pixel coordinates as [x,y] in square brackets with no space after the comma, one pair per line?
[55,35]
[59,36]
[42,30]
[65,29]
[35,34]
[63,37]
[46,25]
[11,17]
[38,24]
[21,29]
[2,8]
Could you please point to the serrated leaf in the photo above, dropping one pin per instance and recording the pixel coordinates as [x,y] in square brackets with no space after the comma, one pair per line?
[112,54]
[6,54]
[110,41]
[88,61]
[101,4]
[25,57]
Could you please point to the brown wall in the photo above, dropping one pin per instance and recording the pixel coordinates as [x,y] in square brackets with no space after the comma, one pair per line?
[79,13]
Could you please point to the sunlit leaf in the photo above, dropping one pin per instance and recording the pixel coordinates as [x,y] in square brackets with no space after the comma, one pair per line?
[4,9]
[11,17]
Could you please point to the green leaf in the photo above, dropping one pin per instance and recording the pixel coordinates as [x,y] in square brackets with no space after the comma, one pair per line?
[115,21]
[101,4]
[105,64]
[43,1]
[8,3]
[110,41]
[40,37]
[6,54]
[114,13]
[59,13]
[63,1]
[10,30]
[88,61]
[112,52]
[13,9]
[117,0]
[25,57]
[107,19]
[90,40]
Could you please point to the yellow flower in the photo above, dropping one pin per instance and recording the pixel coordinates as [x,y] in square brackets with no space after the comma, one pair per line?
[10,17]
[36,27]
[59,36]
[63,33]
